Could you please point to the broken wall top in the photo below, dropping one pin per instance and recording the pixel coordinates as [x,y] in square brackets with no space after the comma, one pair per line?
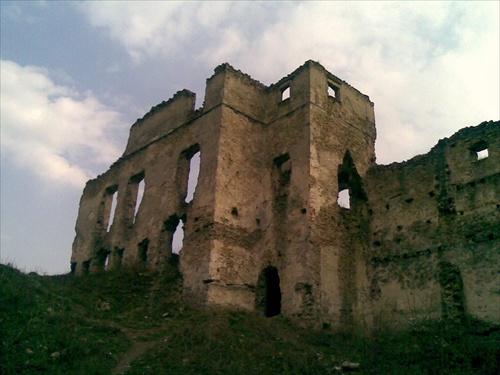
[234,88]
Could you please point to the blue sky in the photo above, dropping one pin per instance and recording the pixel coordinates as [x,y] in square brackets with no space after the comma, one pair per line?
[76,75]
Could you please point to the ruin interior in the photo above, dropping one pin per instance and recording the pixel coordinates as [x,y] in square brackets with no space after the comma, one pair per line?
[265,228]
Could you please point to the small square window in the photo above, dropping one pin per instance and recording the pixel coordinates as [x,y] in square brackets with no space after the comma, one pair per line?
[333,90]
[482,154]
[285,93]
[479,150]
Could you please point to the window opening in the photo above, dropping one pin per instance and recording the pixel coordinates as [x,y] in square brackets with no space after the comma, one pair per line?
[178,238]
[86,267]
[482,154]
[106,261]
[282,178]
[333,90]
[102,259]
[140,195]
[114,191]
[194,172]
[480,150]
[118,257]
[281,161]
[344,199]
[285,93]
[284,165]
[143,251]
[272,292]
[350,185]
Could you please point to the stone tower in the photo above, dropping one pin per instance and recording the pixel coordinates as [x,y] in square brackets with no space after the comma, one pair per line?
[264,230]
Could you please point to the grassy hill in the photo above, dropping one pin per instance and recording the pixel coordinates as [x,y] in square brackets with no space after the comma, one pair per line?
[135,322]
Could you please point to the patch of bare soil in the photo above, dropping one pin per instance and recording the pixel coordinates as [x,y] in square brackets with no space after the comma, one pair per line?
[139,347]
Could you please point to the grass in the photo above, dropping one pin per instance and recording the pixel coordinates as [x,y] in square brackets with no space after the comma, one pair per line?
[87,325]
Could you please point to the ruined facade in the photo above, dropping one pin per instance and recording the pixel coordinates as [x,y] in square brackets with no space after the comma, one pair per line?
[265,231]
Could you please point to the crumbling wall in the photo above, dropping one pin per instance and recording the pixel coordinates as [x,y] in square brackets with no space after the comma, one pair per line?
[342,141]
[434,230]
[163,163]
[265,230]
[286,245]
[241,188]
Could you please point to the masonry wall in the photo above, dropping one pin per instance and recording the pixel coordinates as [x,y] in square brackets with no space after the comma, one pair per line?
[241,187]
[163,162]
[288,139]
[265,231]
[434,231]
[262,192]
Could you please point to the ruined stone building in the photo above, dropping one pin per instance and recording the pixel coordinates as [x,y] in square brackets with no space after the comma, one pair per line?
[265,231]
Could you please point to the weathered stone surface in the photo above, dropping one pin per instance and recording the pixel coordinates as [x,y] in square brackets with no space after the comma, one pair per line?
[265,231]
[435,225]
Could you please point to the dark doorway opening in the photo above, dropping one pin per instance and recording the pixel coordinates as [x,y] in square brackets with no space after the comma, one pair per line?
[102,259]
[143,251]
[268,298]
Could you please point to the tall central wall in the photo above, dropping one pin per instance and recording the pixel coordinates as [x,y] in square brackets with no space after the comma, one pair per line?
[271,184]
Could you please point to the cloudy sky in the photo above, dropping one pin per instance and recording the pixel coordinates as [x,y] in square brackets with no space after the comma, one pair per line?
[75,76]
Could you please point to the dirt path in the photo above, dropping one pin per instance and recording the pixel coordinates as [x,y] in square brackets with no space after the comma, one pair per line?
[135,351]
[139,345]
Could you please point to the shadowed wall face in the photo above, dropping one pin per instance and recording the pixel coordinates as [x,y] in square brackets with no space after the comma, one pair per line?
[435,243]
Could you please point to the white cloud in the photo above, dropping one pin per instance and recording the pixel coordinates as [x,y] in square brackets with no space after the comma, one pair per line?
[167,29]
[143,28]
[430,67]
[57,133]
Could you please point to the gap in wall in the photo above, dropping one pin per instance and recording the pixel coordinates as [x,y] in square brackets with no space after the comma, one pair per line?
[140,195]
[194,172]
[114,201]
[178,238]
[344,199]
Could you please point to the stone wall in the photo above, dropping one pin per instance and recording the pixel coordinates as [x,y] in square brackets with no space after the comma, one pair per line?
[435,230]
[264,230]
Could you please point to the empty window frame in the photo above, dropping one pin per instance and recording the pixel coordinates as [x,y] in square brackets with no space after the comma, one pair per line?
[188,170]
[143,251]
[351,193]
[117,257]
[482,154]
[344,199]
[140,187]
[333,90]
[281,178]
[480,150]
[284,166]
[173,233]
[102,259]
[194,173]
[111,200]
[285,93]
[178,238]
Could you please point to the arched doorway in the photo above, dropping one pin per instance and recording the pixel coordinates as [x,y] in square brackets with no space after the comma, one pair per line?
[268,295]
